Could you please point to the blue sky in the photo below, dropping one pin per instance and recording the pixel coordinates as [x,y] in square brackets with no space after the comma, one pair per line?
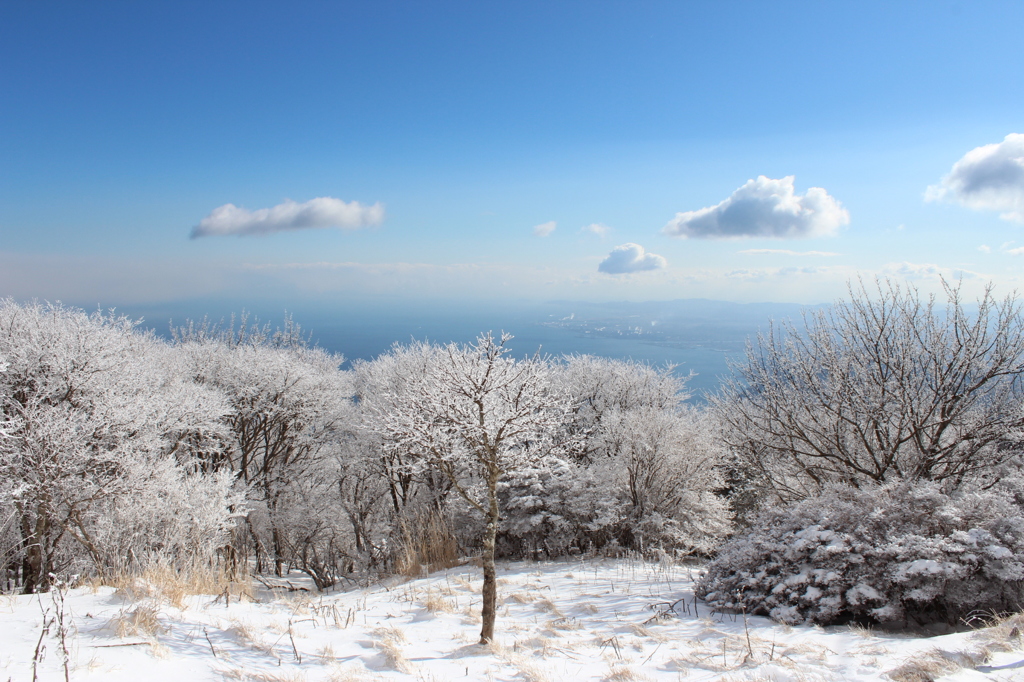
[438,135]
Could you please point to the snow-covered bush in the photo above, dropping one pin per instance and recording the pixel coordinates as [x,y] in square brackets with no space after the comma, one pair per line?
[900,553]
[173,518]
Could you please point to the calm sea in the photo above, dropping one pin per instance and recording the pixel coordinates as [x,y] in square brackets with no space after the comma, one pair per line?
[365,331]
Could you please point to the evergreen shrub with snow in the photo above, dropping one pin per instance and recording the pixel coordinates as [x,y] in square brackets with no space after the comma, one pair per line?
[899,554]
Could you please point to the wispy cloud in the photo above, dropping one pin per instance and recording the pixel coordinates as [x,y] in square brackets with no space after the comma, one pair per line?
[987,178]
[544,229]
[928,271]
[290,215]
[764,208]
[786,252]
[600,229]
[761,274]
[629,258]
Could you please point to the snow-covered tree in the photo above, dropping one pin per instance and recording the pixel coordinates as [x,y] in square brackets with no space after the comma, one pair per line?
[636,468]
[288,407]
[666,466]
[96,415]
[390,384]
[477,416]
[599,387]
[887,385]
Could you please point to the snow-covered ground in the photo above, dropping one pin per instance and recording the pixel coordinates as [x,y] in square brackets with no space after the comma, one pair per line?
[563,620]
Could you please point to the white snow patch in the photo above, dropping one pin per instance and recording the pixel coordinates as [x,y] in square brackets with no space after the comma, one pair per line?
[563,620]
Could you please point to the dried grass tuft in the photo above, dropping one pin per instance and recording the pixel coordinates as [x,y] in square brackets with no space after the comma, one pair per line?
[549,606]
[428,542]
[521,597]
[932,664]
[434,602]
[175,584]
[326,654]
[389,640]
[142,621]
[528,670]
[248,634]
[623,673]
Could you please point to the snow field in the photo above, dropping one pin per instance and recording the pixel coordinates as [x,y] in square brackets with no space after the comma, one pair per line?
[615,620]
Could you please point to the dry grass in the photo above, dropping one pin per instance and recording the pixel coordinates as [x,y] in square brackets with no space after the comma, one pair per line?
[299,603]
[528,669]
[434,602]
[158,650]
[1000,634]
[326,654]
[1003,634]
[262,676]
[175,585]
[936,663]
[549,606]
[642,631]
[623,673]
[428,542]
[540,646]
[142,621]
[531,672]
[464,583]
[352,674]
[471,615]
[391,632]
[861,630]
[248,634]
[389,639]
[521,597]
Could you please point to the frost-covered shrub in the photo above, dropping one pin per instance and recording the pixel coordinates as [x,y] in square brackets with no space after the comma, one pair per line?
[538,504]
[172,518]
[896,554]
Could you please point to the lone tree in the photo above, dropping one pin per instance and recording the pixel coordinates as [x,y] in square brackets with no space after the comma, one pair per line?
[883,386]
[475,415]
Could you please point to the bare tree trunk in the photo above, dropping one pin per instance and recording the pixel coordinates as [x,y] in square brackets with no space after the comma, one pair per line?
[278,552]
[490,588]
[36,566]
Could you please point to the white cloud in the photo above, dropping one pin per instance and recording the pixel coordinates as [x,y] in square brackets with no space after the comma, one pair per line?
[987,178]
[764,208]
[599,229]
[544,229]
[786,252]
[928,271]
[289,215]
[630,258]
[761,275]
[985,248]
[1019,251]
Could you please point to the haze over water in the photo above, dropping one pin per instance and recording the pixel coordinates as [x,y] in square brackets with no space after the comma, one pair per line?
[695,336]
